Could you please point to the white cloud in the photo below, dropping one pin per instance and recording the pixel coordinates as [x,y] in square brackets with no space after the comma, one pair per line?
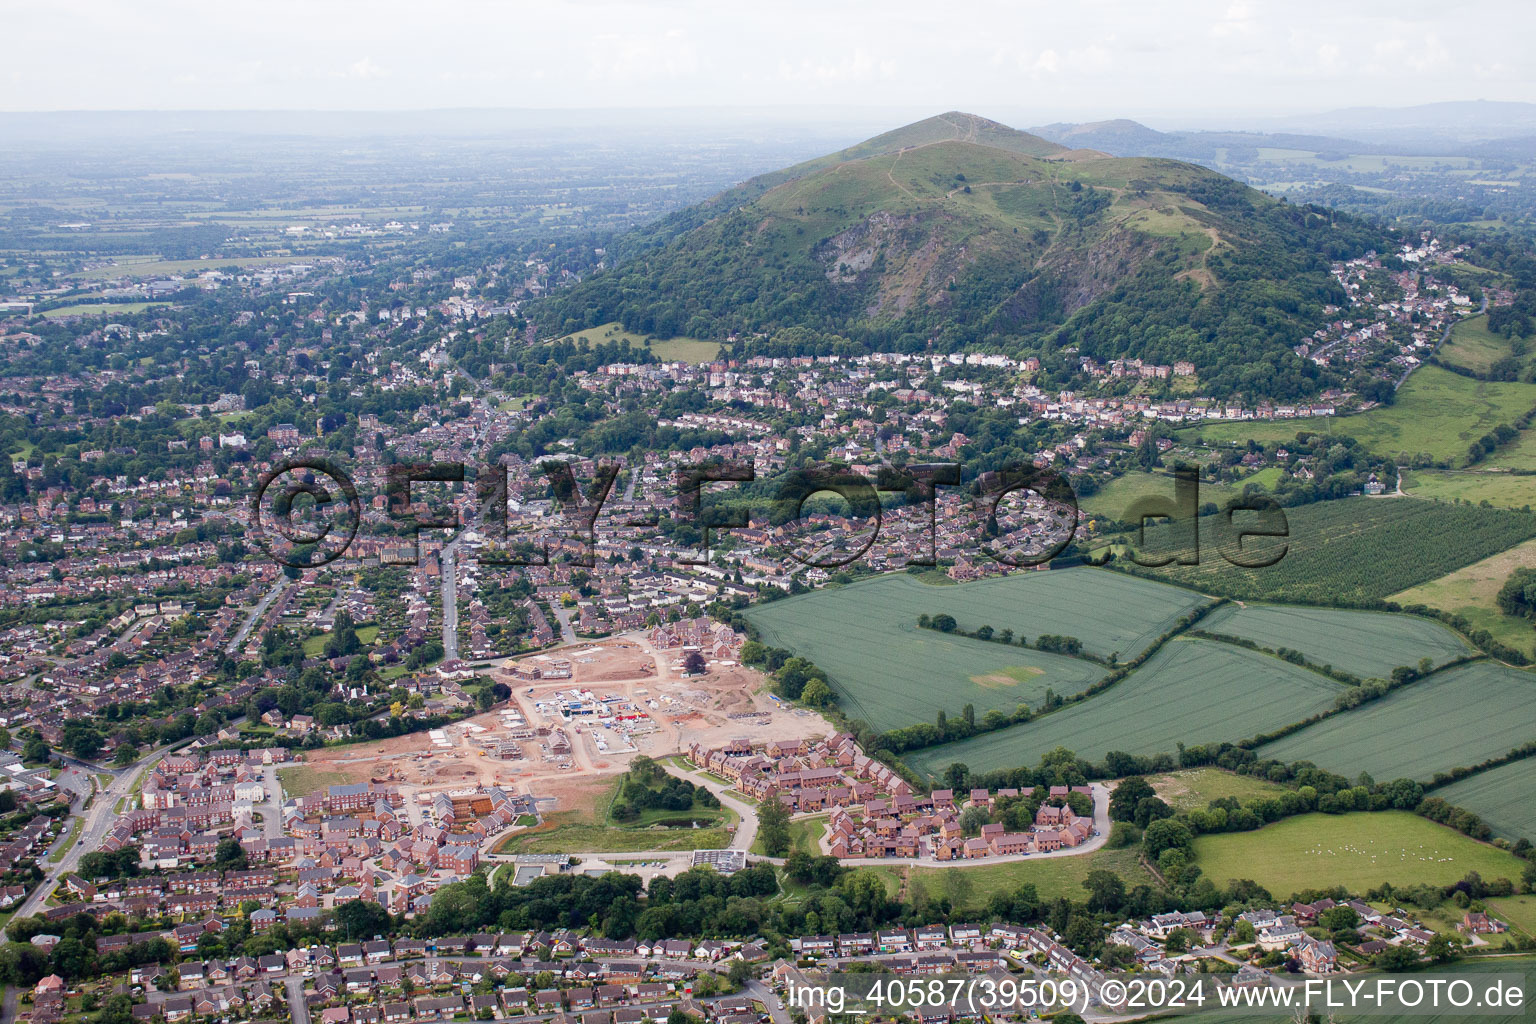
[858,66]
[364,69]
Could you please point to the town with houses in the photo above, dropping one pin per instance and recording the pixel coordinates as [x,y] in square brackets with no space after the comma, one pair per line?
[176,700]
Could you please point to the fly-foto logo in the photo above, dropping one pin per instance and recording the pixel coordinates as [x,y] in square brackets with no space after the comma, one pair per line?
[306,512]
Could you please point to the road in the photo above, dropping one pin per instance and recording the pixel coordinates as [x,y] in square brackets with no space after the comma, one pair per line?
[298,1009]
[1444,337]
[679,861]
[271,809]
[747,830]
[255,615]
[563,616]
[98,822]
[448,559]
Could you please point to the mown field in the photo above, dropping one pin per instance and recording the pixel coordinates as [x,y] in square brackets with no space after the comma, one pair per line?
[1194,691]
[1355,549]
[1196,787]
[1436,417]
[890,673]
[1365,644]
[1358,851]
[1504,797]
[1470,592]
[969,889]
[1456,718]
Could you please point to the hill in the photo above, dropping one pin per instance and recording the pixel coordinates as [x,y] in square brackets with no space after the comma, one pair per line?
[957,230]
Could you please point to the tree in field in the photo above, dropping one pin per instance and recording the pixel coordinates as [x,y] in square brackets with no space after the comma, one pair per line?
[817,693]
[1106,892]
[1166,834]
[1130,792]
[693,663]
[773,826]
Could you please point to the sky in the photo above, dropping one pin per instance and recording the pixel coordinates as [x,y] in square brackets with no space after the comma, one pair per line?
[1052,61]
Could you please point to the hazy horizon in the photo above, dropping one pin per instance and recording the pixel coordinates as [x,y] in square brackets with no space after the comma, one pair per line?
[1113,59]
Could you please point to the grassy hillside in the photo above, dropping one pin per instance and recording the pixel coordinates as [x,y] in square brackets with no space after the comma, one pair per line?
[966,230]
[1436,417]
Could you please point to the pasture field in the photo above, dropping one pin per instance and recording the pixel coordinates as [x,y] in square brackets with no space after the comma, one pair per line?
[1470,592]
[1518,454]
[1351,549]
[1359,851]
[1114,499]
[1456,718]
[687,350]
[1193,788]
[890,673]
[1507,490]
[1504,797]
[1436,416]
[1194,691]
[1518,911]
[1474,347]
[1364,644]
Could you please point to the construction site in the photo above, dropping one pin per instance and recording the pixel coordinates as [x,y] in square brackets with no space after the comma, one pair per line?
[576,716]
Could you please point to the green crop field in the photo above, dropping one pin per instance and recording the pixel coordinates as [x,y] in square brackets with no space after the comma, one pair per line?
[1504,797]
[1197,787]
[1358,851]
[1194,691]
[1365,644]
[1507,490]
[1437,415]
[1108,612]
[1470,592]
[890,673]
[1456,718]
[1353,549]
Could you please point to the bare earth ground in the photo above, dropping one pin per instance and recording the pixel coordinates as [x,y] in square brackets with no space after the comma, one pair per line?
[682,711]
